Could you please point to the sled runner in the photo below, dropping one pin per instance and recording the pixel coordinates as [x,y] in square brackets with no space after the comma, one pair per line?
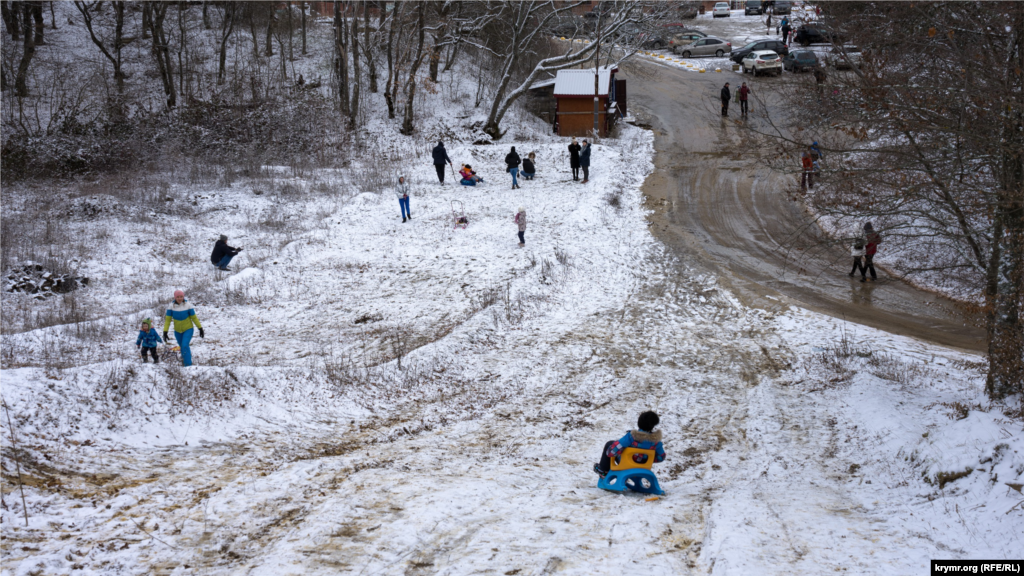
[170,353]
[632,471]
[459,215]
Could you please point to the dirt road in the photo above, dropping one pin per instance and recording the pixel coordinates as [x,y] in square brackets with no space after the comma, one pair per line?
[738,219]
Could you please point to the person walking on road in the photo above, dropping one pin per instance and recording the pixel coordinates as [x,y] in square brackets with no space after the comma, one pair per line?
[222,253]
[402,191]
[744,92]
[871,241]
[520,220]
[857,251]
[184,317]
[786,29]
[726,96]
[440,159]
[768,22]
[807,181]
[574,159]
[513,161]
[585,161]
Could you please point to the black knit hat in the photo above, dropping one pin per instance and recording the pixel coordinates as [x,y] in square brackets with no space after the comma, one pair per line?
[647,421]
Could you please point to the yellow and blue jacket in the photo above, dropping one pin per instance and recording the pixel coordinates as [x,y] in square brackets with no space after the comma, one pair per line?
[184,316]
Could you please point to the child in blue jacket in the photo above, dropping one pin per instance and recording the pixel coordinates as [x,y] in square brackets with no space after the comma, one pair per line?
[644,437]
[147,341]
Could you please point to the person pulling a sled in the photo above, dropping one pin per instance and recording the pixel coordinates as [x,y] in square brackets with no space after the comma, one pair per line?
[644,437]
[184,317]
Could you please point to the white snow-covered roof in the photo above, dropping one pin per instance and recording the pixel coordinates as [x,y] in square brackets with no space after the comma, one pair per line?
[581,82]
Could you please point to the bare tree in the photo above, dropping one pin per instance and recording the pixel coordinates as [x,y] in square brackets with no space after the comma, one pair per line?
[926,139]
[392,81]
[29,50]
[410,84]
[302,5]
[113,52]
[270,28]
[161,50]
[341,59]
[356,80]
[12,19]
[227,26]
[368,47]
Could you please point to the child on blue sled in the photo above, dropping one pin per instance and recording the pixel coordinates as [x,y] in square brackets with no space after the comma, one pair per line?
[645,438]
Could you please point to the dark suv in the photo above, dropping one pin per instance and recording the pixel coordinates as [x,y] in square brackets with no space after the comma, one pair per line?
[752,7]
[782,7]
[815,34]
[776,46]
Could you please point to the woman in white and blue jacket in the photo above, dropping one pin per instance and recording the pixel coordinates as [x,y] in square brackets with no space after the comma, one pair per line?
[184,317]
[402,191]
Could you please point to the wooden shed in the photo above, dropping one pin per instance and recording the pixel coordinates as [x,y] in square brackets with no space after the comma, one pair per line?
[574,101]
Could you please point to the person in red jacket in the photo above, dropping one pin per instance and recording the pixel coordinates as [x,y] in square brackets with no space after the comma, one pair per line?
[871,241]
[807,181]
[744,91]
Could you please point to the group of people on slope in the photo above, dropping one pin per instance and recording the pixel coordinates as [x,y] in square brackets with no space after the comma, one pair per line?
[742,95]
[516,166]
[183,316]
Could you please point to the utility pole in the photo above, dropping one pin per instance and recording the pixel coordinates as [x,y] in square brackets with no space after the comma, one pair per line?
[597,76]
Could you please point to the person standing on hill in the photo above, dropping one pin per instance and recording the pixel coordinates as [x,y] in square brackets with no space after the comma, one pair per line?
[402,191]
[222,253]
[520,220]
[585,161]
[726,96]
[871,241]
[440,159]
[513,161]
[184,317]
[574,159]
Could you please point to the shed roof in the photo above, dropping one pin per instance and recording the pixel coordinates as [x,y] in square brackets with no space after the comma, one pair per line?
[581,82]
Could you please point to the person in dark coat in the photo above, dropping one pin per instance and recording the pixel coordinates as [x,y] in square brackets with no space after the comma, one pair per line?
[529,170]
[222,253]
[871,241]
[574,159]
[726,96]
[513,161]
[440,159]
[585,161]
[744,92]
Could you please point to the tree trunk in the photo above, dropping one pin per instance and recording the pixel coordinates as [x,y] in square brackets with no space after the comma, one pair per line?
[291,50]
[391,63]
[368,48]
[11,20]
[303,6]
[341,59]
[354,107]
[226,28]
[147,21]
[20,87]
[270,29]
[181,52]
[37,16]
[53,17]
[251,10]
[162,52]
[206,16]
[115,58]
[410,83]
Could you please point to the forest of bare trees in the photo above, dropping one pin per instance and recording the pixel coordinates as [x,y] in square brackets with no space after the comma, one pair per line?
[131,82]
[926,139]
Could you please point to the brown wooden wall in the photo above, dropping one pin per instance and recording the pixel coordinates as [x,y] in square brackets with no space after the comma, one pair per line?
[572,123]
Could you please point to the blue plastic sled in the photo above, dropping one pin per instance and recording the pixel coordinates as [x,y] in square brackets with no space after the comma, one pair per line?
[627,474]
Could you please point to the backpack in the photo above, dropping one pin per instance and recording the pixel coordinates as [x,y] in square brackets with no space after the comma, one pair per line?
[859,244]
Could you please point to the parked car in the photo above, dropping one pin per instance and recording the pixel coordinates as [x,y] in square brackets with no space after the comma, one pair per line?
[845,56]
[800,60]
[654,40]
[678,27]
[775,45]
[684,39]
[815,34]
[782,7]
[721,9]
[710,46]
[762,62]
[752,7]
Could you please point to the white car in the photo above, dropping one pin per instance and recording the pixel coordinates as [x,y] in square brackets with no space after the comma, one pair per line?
[721,9]
[762,62]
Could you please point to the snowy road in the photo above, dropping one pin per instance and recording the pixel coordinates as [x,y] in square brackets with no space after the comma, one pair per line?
[742,223]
